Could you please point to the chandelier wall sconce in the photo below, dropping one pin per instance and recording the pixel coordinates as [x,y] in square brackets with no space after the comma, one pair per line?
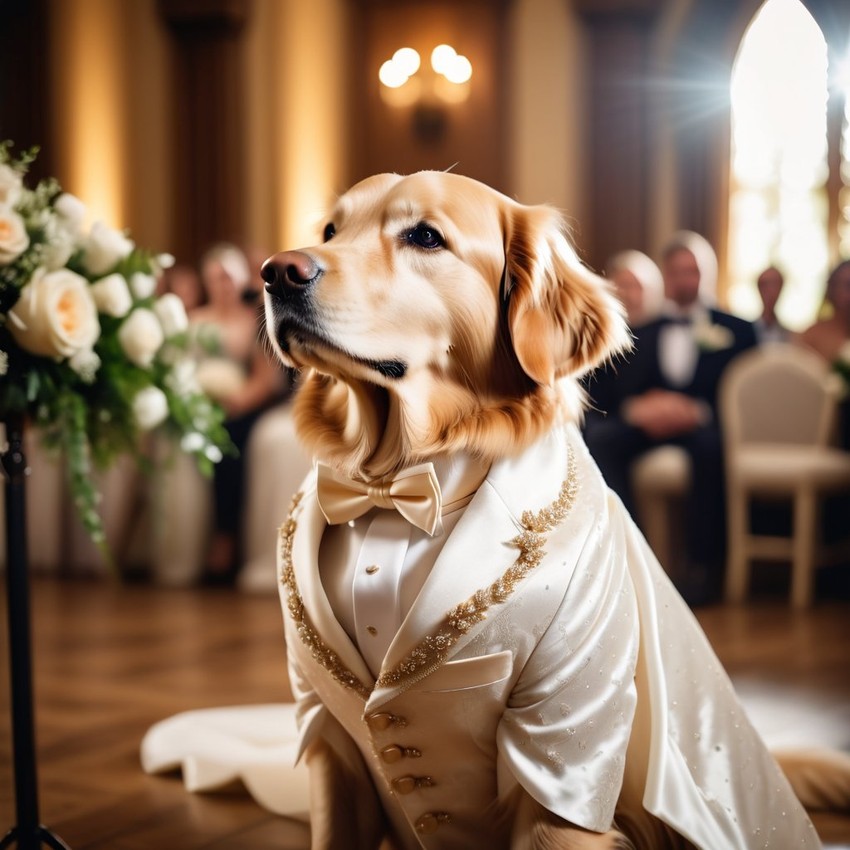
[428,90]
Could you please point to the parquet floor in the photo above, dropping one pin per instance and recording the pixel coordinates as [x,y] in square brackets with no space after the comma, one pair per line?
[111,660]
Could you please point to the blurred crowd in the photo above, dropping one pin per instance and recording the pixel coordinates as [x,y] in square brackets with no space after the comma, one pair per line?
[665,391]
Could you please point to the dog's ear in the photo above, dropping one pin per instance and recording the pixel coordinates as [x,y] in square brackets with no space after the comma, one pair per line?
[563,319]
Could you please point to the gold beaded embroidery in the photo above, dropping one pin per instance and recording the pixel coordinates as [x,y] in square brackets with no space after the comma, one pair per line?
[320,651]
[432,651]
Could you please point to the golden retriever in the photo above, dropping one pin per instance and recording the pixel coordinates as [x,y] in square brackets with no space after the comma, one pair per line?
[446,325]
[440,316]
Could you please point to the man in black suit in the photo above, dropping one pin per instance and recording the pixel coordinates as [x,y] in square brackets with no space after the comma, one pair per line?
[665,392]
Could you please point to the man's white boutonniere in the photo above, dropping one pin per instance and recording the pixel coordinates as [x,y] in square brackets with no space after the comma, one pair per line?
[712,337]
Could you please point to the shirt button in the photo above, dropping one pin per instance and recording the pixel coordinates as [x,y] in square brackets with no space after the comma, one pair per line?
[382,721]
[372,569]
[430,822]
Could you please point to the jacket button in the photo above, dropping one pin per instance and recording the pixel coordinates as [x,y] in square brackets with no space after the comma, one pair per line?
[394,752]
[404,784]
[430,822]
[408,784]
[383,720]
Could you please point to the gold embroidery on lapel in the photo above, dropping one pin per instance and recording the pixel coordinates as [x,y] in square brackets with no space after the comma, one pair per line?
[320,651]
[433,650]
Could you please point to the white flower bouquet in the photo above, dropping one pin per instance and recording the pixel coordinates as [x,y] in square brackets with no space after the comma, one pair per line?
[87,350]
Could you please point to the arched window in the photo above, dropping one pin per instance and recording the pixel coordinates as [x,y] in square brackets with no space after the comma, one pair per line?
[778,212]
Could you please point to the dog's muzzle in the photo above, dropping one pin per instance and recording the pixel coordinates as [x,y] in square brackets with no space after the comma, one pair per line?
[290,278]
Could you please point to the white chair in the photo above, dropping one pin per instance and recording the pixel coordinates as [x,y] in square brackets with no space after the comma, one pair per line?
[660,481]
[778,407]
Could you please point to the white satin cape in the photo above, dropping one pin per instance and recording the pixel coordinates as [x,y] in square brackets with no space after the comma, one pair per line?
[694,759]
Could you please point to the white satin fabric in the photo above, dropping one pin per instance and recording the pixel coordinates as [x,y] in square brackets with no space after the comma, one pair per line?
[591,682]
[251,744]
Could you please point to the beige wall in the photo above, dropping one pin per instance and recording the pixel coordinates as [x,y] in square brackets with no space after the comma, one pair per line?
[546,105]
[296,142]
[113,125]
[110,113]
[90,106]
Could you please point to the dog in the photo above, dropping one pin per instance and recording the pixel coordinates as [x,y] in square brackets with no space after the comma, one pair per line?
[527,677]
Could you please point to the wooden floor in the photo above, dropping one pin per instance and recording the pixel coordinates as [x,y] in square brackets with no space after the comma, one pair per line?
[112,660]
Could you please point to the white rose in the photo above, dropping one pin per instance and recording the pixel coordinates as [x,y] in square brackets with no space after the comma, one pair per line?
[60,245]
[112,295]
[143,285]
[181,379]
[13,236]
[150,407]
[11,184]
[55,315]
[85,363]
[71,212]
[172,314]
[193,442]
[104,248]
[141,336]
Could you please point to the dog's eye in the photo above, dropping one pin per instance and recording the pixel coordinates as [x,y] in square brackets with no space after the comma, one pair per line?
[425,236]
[329,232]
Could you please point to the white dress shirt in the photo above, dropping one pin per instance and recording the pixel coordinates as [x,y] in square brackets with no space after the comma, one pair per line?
[678,351]
[372,568]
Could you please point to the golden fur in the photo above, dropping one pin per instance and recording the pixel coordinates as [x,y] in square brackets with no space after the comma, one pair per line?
[473,343]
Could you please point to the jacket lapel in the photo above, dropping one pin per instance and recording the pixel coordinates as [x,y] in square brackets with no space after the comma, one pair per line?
[310,526]
[480,550]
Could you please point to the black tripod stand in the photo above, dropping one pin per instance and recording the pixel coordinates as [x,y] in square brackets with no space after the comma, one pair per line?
[28,833]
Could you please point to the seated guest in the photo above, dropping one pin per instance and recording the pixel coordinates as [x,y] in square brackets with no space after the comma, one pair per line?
[665,392]
[236,371]
[830,335]
[768,327]
[637,281]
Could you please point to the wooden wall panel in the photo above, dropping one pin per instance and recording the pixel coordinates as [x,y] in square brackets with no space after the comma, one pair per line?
[618,125]
[208,103]
[473,138]
[24,75]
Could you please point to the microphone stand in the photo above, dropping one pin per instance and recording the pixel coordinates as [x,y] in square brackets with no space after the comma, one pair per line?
[28,833]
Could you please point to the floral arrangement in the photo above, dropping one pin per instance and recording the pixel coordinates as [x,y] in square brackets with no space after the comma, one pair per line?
[87,350]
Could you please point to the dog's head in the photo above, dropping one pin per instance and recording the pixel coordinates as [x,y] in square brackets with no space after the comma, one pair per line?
[437,315]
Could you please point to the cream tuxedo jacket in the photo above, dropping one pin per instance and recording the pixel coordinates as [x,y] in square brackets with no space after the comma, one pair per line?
[547,648]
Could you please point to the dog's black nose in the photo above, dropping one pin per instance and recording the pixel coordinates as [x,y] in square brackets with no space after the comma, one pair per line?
[289,270]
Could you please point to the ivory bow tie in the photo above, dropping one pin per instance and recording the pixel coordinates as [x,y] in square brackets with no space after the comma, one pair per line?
[414,493]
